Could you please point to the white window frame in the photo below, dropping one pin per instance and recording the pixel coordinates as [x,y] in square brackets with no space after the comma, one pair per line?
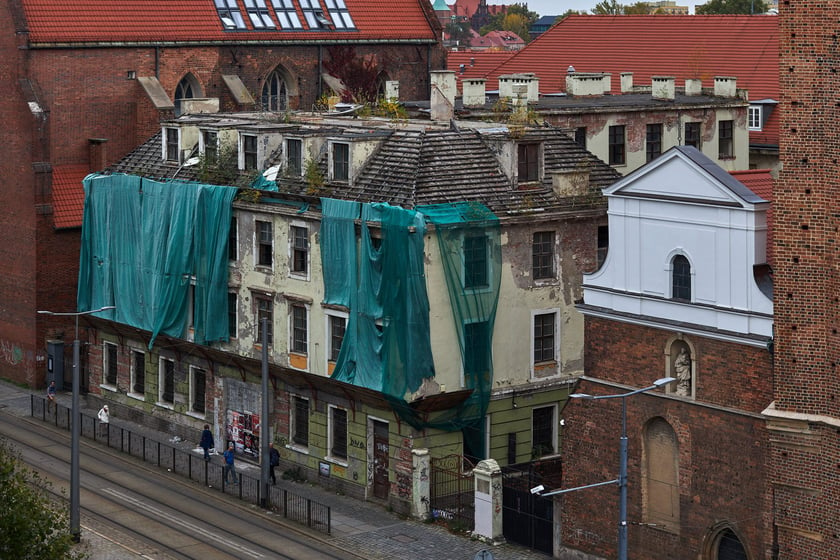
[106,363]
[301,163]
[294,274]
[329,315]
[165,144]
[488,263]
[291,325]
[331,436]
[202,145]
[241,151]
[161,374]
[533,364]
[331,173]
[257,264]
[192,412]
[754,117]
[133,374]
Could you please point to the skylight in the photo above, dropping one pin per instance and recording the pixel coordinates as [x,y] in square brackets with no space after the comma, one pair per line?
[286,14]
[230,15]
[340,15]
[258,12]
[336,16]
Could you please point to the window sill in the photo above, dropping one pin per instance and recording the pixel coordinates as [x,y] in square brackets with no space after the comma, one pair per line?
[265,268]
[138,396]
[197,415]
[170,406]
[298,448]
[107,387]
[337,461]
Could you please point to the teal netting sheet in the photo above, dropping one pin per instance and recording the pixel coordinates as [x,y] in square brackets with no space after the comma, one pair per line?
[469,239]
[142,243]
[386,343]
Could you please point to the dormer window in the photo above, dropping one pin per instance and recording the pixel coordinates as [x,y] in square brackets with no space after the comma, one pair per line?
[210,145]
[294,157]
[528,162]
[170,144]
[754,117]
[681,278]
[247,152]
[340,164]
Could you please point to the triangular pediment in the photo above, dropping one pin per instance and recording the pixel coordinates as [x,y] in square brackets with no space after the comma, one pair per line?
[684,174]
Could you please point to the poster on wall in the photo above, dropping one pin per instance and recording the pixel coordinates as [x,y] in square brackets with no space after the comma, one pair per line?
[243,429]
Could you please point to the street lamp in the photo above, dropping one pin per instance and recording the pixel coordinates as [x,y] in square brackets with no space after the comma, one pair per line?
[622,472]
[75,430]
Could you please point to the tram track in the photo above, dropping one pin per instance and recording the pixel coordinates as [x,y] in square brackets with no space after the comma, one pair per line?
[166,516]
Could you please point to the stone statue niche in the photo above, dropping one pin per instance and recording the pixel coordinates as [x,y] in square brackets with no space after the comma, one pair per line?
[682,370]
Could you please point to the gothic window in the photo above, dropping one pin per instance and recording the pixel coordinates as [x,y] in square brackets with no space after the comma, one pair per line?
[274,96]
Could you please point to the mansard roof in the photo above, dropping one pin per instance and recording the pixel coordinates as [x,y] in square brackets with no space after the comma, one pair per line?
[419,165]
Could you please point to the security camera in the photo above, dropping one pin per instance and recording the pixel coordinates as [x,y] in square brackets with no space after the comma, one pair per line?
[537,489]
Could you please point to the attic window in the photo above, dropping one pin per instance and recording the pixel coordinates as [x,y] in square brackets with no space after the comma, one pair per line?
[286,14]
[258,12]
[170,144]
[754,117]
[528,162]
[230,15]
[340,161]
[340,15]
[314,15]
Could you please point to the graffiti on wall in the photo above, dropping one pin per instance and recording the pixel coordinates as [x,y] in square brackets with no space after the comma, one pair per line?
[243,429]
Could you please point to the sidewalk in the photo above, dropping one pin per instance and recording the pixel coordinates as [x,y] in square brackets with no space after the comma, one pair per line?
[356,525]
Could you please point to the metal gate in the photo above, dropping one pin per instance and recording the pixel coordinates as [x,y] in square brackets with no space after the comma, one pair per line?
[528,519]
[452,491]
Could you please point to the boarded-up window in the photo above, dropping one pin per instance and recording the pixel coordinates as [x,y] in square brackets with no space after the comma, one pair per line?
[661,476]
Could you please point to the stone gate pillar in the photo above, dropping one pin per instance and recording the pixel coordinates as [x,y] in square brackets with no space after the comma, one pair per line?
[488,502]
[420,484]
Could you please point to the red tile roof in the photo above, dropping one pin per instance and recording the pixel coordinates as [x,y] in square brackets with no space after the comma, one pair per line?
[68,195]
[761,183]
[476,63]
[746,47]
[142,21]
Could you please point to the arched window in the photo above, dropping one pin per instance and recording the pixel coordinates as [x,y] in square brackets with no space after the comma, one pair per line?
[724,544]
[681,278]
[274,96]
[661,476]
[187,89]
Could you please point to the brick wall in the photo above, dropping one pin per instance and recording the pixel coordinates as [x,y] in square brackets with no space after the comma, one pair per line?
[805,455]
[721,451]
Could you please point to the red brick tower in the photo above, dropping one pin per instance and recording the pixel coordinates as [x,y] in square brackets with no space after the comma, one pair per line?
[804,420]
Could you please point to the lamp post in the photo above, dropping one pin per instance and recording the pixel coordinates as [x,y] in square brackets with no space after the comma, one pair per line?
[622,470]
[75,428]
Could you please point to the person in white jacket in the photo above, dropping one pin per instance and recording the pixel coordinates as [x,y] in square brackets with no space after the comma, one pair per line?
[104,418]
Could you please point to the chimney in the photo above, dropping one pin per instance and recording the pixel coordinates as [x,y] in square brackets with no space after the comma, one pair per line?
[443,95]
[725,86]
[693,86]
[606,81]
[97,154]
[508,81]
[570,182]
[662,87]
[583,84]
[520,95]
[474,92]
[392,90]
[627,82]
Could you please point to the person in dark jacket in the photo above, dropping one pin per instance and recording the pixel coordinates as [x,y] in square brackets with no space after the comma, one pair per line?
[207,441]
[273,461]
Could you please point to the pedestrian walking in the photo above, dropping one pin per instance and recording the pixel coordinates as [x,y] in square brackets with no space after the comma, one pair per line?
[50,395]
[273,461]
[104,418]
[230,456]
[207,441]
